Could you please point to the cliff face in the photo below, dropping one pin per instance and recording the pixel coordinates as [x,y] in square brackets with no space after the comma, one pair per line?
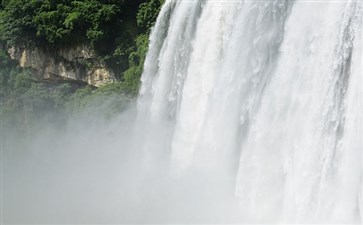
[75,64]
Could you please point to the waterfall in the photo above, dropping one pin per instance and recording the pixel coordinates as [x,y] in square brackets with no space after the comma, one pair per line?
[268,94]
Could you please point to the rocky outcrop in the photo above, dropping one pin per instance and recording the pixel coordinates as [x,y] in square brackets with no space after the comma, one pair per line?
[74,64]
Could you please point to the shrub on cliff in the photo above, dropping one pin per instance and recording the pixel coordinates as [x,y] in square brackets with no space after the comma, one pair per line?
[117,29]
[58,22]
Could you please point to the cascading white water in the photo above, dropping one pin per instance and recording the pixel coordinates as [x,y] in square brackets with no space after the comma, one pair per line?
[269,93]
[249,112]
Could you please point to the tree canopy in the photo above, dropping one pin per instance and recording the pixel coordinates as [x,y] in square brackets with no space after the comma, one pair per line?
[117,30]
[59,21]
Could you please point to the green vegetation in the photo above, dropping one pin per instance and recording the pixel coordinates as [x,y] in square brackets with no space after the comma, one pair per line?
[118,31]
[110,26]
[27,102]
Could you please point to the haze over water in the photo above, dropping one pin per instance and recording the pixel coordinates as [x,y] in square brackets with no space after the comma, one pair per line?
[249,111]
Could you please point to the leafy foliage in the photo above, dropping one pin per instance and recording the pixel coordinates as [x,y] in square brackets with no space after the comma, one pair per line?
[131,78]
[148,13]
[117,29]
[16,21]
[57,21]
[66,21]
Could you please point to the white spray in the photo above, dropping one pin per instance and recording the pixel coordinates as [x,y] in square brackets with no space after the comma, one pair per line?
[277,84]
[249,112]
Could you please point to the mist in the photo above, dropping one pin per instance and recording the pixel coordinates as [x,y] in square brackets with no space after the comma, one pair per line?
[93,170]
[259,121]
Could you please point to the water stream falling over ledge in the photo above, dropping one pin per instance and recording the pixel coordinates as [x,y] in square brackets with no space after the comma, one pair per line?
[269,95]
[250,111]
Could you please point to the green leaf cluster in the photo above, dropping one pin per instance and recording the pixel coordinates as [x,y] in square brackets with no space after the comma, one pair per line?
[117,29]
[57,21]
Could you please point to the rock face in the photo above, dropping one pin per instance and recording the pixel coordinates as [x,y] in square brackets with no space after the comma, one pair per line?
[78,64]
